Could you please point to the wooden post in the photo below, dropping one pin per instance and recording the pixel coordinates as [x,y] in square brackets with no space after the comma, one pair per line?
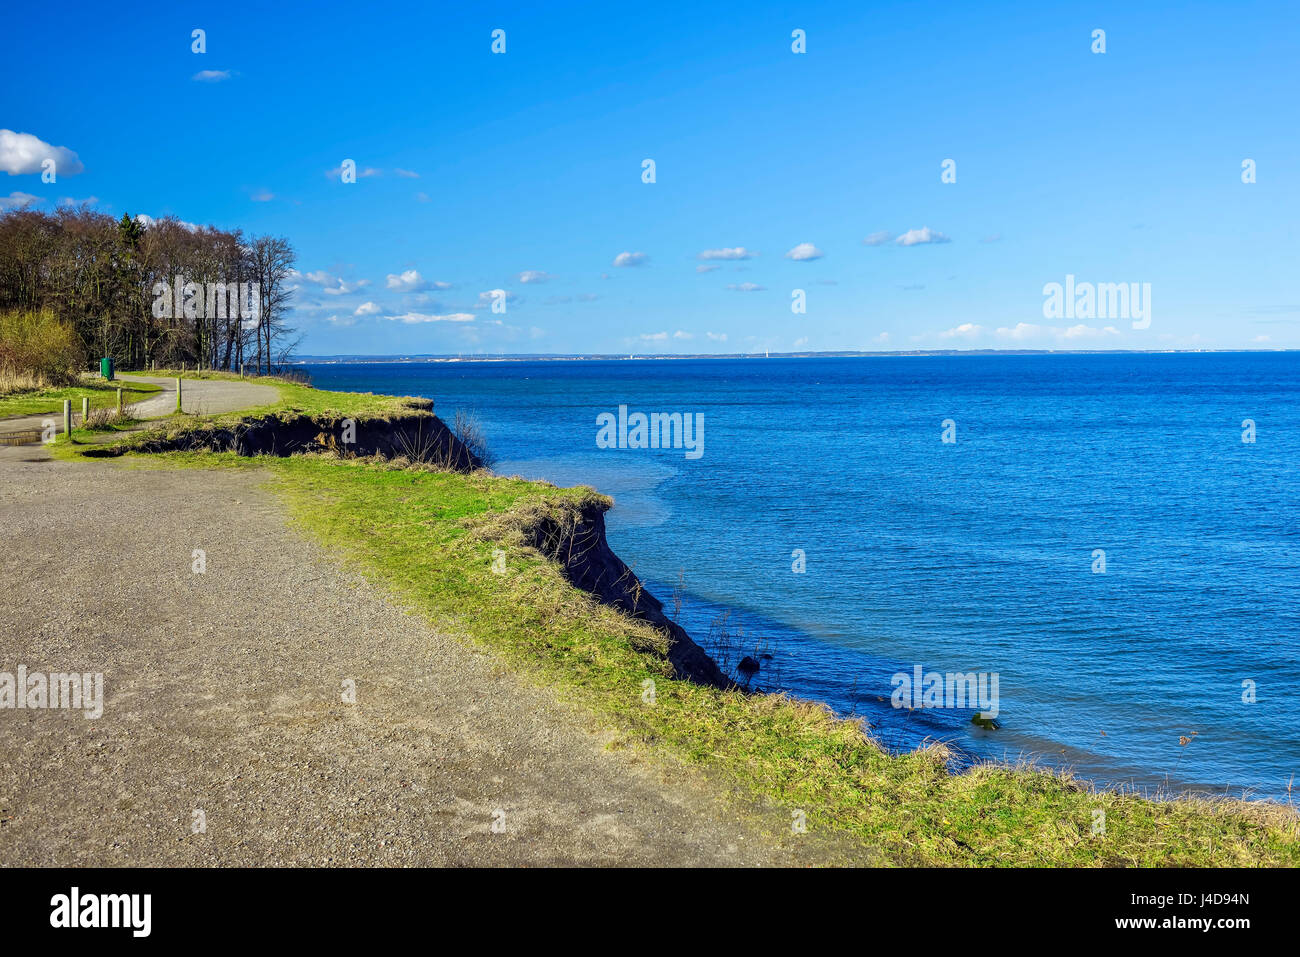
[85,409]
[119,403]
[178,394]
[67,417]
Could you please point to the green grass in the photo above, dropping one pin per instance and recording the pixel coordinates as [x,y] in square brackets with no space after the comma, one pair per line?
[106,434]
[293,399]
[429,537]
[50,401]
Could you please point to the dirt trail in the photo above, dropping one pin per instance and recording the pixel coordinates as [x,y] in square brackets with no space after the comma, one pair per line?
[198,396]
[222,694]
[203,396]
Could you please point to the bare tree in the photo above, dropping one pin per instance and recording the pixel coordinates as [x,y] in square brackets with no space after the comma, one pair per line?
[99,275]
[271,259]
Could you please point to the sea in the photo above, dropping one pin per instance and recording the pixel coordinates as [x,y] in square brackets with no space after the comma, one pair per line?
[1111,542]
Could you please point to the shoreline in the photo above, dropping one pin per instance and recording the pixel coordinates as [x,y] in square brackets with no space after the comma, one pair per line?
[376,513]
[885,720]
[1137,765]
[343,359]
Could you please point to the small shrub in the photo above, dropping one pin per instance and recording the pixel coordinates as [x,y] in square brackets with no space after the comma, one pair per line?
[470,432]
[13,381]
[36,347]
[108,418]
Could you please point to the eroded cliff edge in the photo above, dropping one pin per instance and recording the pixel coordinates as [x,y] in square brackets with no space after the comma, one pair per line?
[575,539]
[571,535]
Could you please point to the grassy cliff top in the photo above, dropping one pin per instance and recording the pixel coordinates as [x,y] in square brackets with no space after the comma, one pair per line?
[295,397]
[50,401]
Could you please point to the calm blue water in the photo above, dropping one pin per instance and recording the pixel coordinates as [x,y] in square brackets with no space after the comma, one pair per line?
[976,556]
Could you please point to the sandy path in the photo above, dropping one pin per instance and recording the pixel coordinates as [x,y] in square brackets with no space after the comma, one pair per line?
[223,694]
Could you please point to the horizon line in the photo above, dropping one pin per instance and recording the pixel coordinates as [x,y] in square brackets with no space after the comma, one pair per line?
[823,354]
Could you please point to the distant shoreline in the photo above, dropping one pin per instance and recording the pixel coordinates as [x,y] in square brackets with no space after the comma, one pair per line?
[607,357]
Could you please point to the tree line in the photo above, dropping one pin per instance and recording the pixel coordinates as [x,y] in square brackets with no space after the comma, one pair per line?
[145,291]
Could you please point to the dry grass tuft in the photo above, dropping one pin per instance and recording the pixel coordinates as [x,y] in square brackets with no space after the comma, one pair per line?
[13,381]
[107,418]
[37,348]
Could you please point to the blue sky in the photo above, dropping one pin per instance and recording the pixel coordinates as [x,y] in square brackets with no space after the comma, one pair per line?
[1117,167]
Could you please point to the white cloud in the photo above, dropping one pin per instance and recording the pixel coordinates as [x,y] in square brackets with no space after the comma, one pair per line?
[367,309]
[23,153]
[679,334]
[967,330]
[746,287]
[1022,330]
[918,237]
[211,76]
[882,338]
[422,197]
[344,287]
[406,173]
[369,171]
[630,259]
[262,196]
[706,268]
[1088,332]
[17,200]
[534,275]
[486,298]
[1029,331]
[878,238]
[408,281]
[69,201]
[717,336]
[413,317]
[145,220]
[333,285]
[654,336]
[737,252]
[804,252]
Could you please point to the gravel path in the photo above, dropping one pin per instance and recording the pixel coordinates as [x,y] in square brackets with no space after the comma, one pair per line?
[198,396]
[222,694]
[202,396]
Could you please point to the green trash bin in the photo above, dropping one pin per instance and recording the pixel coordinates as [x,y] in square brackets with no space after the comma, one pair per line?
[106,367]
